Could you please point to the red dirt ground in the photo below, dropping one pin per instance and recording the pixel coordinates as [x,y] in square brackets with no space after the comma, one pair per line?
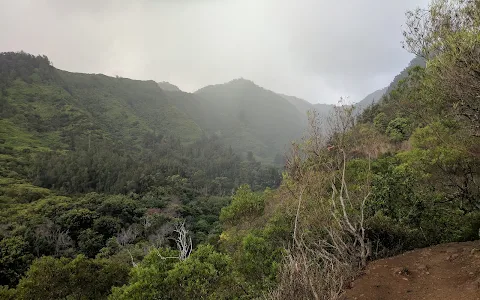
[443,272]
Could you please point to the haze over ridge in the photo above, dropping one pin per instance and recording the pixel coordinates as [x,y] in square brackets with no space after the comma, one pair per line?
[310,49]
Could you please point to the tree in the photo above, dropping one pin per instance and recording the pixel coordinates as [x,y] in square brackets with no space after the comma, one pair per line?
[79,278]
[258,261]
[147,281]
[206,274]
[90,242]
[398,129]
[328,189]
[244,205]
[14,259]
[183,241]
[447,35]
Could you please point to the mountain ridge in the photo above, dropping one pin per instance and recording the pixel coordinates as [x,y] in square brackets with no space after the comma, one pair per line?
[248,117]
[167,86]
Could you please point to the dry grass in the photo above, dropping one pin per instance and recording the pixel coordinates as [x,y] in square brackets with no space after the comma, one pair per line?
[309,274]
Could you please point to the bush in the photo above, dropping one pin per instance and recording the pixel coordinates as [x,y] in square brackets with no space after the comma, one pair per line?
[399,129]
[79,278]
[245,204]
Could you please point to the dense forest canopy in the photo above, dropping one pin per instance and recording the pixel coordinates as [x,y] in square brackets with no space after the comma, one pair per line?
[102,167]
[121,189]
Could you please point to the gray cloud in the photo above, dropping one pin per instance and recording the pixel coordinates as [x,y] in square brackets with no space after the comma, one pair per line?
[315,49]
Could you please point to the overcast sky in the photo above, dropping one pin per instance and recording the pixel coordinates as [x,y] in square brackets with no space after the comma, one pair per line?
[318,50]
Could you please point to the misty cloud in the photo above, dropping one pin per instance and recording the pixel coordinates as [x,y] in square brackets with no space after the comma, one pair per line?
[315,49]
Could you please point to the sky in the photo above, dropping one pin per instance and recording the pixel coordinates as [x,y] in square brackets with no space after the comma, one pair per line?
[318,50]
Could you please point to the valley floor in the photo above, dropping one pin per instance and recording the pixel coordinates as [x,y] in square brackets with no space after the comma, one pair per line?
[443,272]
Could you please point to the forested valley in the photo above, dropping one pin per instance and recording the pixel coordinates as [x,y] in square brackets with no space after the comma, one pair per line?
[112,188]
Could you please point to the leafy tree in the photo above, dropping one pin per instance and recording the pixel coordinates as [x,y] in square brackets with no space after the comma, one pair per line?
[7,293]
[245,204]
[77,220]
[206,274]
[381,122]
[398,129]
[79,278]
[258,261]
[148,280]
[90,242]
[108,226]
[15,258]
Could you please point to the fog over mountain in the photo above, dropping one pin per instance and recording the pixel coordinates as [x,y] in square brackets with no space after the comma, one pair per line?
[315,50]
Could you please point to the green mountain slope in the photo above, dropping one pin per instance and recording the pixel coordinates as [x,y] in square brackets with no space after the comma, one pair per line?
[48,106]
[167,86]
[251,118]
[57,109]
[86,159]
[301,105]
[371,99]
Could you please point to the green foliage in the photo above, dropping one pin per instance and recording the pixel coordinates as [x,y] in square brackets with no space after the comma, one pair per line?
[258,262]
[147,281]
[121,207]
[90,242]
[98,166]
[94,166]
[77,220]
[7,293]
[205,274]
[248,117]
[107,225]
[393,190]
[398,129]
[79,278]
[380,122]
[14,259]
[203,215]
[26,193]
[245,204]
[254,241]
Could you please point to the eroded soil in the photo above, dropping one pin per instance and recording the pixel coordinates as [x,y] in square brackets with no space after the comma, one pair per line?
[443,272]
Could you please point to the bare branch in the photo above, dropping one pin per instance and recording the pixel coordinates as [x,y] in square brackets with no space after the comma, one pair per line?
[183,240]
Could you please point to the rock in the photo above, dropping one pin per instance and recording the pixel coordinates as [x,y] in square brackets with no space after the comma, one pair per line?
[423,268]
[452,257]
[476,284]
[397,271]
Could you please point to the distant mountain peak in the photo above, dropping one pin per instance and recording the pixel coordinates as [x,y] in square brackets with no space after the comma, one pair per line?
[241,79]
[371,99]
[237,83]
[167,86]
[242,82]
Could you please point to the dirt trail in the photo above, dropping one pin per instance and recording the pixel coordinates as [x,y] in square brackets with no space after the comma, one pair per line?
[443,272]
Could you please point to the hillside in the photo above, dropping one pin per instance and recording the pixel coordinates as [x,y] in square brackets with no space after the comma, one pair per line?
[112,188]
[95,171]
[415,62]
[251,118]
[301,105]
[325,110]
[167,86]
[71,108]
[46,105]
[371,99]
[447,272]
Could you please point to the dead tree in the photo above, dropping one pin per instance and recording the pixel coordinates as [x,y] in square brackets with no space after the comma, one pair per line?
[183,240]
[125,237]
[350,219]
[56,238]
